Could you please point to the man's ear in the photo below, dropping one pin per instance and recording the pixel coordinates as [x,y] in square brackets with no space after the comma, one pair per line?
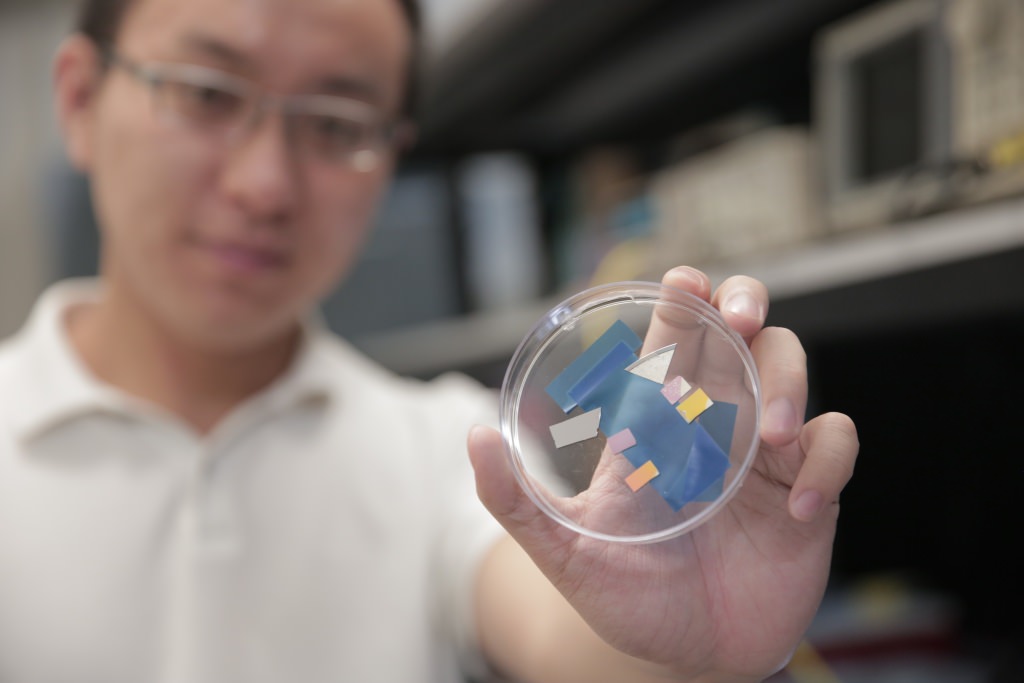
[77,74]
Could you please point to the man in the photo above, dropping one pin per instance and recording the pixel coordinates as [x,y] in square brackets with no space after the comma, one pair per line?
[195,485]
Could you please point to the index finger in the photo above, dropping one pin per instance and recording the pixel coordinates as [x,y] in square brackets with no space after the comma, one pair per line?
[743,302]
[706,351]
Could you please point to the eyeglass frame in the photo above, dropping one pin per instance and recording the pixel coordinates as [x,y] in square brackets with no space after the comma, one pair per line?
[387,135]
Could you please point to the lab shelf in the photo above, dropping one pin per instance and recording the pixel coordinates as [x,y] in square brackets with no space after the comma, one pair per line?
[947,267]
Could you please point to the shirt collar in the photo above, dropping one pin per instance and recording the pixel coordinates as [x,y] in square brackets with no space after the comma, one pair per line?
[54,384]
[58,387]
[308,377]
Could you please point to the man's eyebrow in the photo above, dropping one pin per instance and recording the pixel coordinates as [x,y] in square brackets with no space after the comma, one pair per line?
[347,86]
[217,49]
[224,53]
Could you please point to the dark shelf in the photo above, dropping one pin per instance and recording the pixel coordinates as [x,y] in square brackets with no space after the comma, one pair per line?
[946,269]
[556,75]
[960,292]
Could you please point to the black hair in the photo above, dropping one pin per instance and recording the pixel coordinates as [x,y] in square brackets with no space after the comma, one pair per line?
[100,21]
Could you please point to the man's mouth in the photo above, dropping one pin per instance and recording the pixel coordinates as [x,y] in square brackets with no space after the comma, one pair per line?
[246,258]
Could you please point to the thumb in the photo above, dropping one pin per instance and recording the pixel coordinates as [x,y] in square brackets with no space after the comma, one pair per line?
[501,494]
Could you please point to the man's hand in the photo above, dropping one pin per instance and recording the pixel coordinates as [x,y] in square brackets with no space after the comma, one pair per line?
[728,601]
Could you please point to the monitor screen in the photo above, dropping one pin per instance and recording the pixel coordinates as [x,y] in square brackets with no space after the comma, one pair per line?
[888,96]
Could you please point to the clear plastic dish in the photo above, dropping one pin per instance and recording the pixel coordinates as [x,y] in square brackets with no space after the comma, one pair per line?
[631,412]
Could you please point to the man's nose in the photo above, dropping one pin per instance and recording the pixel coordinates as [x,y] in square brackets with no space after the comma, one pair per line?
[261,172]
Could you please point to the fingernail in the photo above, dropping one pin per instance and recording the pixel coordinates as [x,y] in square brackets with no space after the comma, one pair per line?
[807,506]
[780,416]
[688,273]
[743,304]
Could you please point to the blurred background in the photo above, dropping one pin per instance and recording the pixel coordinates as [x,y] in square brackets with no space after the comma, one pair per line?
[865,159]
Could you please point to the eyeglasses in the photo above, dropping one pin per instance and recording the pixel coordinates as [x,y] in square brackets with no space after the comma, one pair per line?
[327,128]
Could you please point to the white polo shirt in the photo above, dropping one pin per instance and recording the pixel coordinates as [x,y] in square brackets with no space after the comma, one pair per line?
[327,530]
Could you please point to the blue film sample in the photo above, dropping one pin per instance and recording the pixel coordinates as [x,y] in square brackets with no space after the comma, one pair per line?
[712,492]
[720,421]
[559,388]
[630,401]
[692,458]
[705,467]
[617,358]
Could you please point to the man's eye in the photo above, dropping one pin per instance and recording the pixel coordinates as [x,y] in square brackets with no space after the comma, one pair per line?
[332,132]
[205,103]
[337,130]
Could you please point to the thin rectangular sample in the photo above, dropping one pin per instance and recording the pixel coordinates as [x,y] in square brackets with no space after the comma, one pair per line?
[617,358]
[639,477]
[675,389]
[694,404]
[559,388]
[576,429]
[620,441]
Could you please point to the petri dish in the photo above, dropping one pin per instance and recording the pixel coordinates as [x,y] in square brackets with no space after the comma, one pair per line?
[630,412]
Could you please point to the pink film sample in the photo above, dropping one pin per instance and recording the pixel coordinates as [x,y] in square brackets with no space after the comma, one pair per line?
[675,389]
[620,441]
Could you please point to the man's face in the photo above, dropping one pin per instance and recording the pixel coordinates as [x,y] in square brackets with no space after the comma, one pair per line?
[226,243]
